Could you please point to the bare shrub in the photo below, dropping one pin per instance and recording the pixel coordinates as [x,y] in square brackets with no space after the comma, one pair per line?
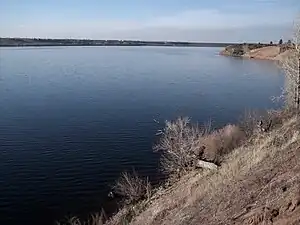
[179,143]
[183,145]
[263,121]
[132,187]
[258,121]
[249,121]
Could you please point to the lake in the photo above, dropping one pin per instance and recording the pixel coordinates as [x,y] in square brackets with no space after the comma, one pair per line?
[73,118]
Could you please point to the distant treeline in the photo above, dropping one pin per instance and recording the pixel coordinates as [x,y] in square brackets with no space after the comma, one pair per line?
[15,42]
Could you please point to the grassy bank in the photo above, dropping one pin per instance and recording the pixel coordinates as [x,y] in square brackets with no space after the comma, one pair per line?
[255,179]
[256,183]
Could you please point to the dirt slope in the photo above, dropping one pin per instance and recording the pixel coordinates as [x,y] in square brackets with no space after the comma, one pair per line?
[270,53]
[258,184]
[264,53]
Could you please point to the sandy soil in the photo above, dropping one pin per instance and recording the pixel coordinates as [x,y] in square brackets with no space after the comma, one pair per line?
[269,53]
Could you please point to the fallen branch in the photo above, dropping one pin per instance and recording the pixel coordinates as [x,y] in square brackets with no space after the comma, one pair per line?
[206,165]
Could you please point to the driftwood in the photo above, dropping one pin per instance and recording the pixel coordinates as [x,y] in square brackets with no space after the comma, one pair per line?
[206,165]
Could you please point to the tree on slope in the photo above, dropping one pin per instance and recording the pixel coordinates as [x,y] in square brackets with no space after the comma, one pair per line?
[291,66]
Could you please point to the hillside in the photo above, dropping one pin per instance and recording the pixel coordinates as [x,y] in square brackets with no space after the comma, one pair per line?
[258,183]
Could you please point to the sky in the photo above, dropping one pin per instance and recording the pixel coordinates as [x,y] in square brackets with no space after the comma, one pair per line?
[168,20]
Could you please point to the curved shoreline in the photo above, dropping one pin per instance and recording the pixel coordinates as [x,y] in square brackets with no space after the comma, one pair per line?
[259,51]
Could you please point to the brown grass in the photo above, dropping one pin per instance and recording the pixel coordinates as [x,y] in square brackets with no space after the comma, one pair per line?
[221,142]
[94,219]
[258,183]
[133,190]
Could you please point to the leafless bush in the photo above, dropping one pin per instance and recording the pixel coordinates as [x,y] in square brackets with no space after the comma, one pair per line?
[263,121]
[178,143]
[259,121]
[132,187]
[183,145]
[250,121]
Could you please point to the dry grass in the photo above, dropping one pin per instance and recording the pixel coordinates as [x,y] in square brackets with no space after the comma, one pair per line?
[247,189]
[134,192]
[220,142]
[94,219]
[269,53]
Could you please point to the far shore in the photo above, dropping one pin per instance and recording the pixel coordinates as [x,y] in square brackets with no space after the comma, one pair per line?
[38,42]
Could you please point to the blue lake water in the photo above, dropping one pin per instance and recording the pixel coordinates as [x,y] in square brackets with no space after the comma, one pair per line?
[73,118]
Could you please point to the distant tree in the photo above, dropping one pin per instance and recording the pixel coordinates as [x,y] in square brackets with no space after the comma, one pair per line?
[280,42]
[271,42]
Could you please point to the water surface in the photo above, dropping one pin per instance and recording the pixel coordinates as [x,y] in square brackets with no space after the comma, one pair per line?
[72,118]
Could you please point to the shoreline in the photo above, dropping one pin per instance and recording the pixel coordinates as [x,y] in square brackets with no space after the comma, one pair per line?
[263,157]
[37,42]
[258,51]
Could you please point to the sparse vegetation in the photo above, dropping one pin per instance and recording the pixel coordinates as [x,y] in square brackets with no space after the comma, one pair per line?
[245,153]
[182,145]
[246,189]
[254,122]
[269,51]
[94,219]
[238,50]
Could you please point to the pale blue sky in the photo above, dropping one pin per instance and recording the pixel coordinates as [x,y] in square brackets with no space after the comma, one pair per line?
[185,20]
